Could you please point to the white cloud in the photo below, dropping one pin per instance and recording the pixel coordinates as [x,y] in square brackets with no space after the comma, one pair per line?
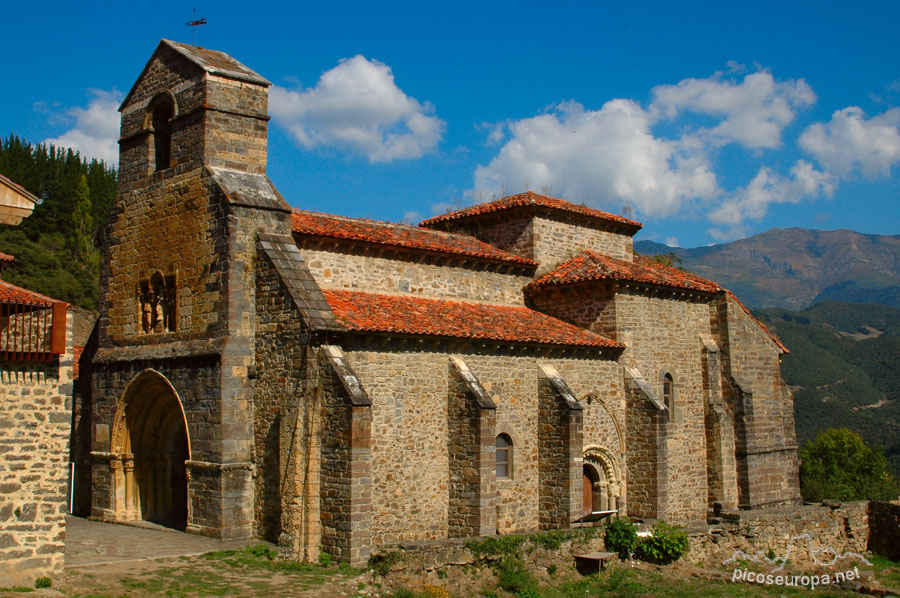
[606,156]
[767,187]
[672,241]
[357,107]
[619,155]
[850,143]
[96,131]
[753,112]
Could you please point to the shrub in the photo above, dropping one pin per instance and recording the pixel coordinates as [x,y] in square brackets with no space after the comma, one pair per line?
[513,576]
[43,582]
[325,559]
[621,537]
[666,545]
[381,563]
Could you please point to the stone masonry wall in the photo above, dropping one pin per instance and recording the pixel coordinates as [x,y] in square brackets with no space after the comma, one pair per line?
[663,335]
[765,436]
[287,421]
[548,238]
[237,125]
[557,239]
[884,529]
[841,527]
[346,270]
[172,225]
[410,463]
[35,417]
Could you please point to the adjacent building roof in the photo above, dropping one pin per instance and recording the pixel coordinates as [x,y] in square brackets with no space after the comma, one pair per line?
[16,202]
[10,293]
[370,312]
[5,258]
[531,199]
[399,235]
[591,265]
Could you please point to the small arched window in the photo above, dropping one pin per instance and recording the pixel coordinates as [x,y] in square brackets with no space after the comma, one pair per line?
[504,457]
[161,112]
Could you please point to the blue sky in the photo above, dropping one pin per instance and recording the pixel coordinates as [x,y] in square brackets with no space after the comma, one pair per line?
[706,121]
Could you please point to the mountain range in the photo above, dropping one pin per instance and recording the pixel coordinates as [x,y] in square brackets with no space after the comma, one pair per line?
[797,267]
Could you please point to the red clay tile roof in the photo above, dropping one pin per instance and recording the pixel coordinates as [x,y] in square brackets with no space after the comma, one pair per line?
[591,265]
[10,293]
[399,235]
[5,258]
[531,199]
[369,312]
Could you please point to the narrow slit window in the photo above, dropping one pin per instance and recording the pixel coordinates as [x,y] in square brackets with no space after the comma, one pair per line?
[504,457]
[668,385]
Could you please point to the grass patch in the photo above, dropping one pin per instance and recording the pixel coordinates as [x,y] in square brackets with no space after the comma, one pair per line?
[887,571]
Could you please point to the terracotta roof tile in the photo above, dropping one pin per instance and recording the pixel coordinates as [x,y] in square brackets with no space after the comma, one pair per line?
[530,199]
[399,235]
[369,312]
[5,258]
[10,293]
[591,265]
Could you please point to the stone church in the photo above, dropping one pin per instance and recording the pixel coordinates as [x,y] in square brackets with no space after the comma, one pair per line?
[339,384]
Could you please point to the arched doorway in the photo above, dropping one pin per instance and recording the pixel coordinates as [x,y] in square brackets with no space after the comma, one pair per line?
[151,446]
[601,478]
[595,489]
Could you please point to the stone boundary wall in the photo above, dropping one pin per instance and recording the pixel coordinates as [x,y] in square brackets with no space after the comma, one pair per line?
[884,529]
[842,527]
[35,417]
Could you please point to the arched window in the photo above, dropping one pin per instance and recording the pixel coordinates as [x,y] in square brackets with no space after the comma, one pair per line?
[161,112]
[504,457]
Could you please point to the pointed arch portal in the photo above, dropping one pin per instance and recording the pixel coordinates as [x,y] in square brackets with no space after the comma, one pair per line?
[151,446]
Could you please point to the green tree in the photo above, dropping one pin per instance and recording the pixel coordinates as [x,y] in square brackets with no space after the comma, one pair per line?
[840,465]
[667,259]
[82,222]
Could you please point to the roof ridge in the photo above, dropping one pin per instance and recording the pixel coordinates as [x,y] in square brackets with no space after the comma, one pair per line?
[530,198]
[400,235]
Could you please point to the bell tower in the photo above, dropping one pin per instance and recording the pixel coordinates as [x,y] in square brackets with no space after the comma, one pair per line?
[177,303]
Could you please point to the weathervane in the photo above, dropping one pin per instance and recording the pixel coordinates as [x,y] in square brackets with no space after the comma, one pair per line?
[193,24]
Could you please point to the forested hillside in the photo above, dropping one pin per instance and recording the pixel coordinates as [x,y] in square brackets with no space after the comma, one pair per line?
[56,247]
[844,368]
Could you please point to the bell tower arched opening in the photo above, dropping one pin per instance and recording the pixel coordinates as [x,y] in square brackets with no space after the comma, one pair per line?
[151,446]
